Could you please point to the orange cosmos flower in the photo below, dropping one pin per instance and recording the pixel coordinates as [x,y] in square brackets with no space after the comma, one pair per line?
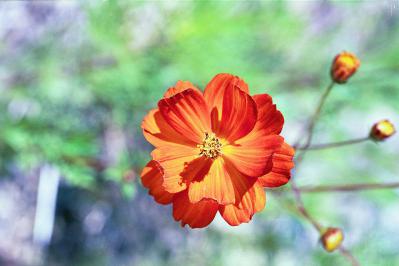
[344,66]
[215,151]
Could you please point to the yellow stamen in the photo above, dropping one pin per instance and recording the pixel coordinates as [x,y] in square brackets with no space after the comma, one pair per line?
[211,147]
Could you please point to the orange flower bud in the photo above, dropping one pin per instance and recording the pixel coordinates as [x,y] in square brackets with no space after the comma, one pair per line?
[332,239]
[344,66]
[382,130]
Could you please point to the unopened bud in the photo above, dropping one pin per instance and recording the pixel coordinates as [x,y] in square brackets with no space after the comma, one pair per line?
[344,66]
[382,130]
[332,239]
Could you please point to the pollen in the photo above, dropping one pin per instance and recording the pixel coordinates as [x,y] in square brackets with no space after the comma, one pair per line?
[211,146]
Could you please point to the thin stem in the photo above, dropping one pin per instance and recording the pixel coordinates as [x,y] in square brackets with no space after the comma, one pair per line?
[297,192]
[313,122]
[347,254]
[301,207]
[348,187]
[333,144]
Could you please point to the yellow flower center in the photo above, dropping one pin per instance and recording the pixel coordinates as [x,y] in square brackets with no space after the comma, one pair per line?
[211,146]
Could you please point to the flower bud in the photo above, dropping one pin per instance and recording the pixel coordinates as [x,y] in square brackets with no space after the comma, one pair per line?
[332,239]
[382,130]
[344,66]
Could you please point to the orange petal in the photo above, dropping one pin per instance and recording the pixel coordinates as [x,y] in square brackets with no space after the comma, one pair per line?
[214,91]
[252,154]
[187,113]
[239,115]
[179,87]
[253,201]
[159,133]
[270,120]
[151,177]
[173,159]
[217,184]
[282,164]
[197,169]
[196,215]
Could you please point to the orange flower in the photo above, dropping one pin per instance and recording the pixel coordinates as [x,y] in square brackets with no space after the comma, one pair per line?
[382,130]
[344,66]
[215,151]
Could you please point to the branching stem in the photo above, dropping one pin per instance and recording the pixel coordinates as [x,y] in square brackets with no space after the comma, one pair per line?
[297,192]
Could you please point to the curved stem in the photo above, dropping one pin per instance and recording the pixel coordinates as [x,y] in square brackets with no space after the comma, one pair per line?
[348,187]
[333,144]
[297,192]
[313,122]
[301,207]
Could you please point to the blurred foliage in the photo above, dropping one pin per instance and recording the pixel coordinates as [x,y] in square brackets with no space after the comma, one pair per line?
[77,82]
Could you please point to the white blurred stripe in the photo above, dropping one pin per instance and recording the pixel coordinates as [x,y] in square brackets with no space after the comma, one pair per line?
[46,203]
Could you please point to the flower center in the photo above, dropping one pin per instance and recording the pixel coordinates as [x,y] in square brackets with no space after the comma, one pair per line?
[211,147]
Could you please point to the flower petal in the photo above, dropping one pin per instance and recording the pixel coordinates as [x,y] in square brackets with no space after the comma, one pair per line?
[179,87]
[187,113]
[159,133]
[197,169]
[151,177]
[282,164]
[252,154]
[270,120]
[239,115]
[196,215]
[214,91]
[253,201]
[217,184]
[173,159]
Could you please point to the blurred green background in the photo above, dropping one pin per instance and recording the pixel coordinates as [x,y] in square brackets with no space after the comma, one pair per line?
[77,77]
